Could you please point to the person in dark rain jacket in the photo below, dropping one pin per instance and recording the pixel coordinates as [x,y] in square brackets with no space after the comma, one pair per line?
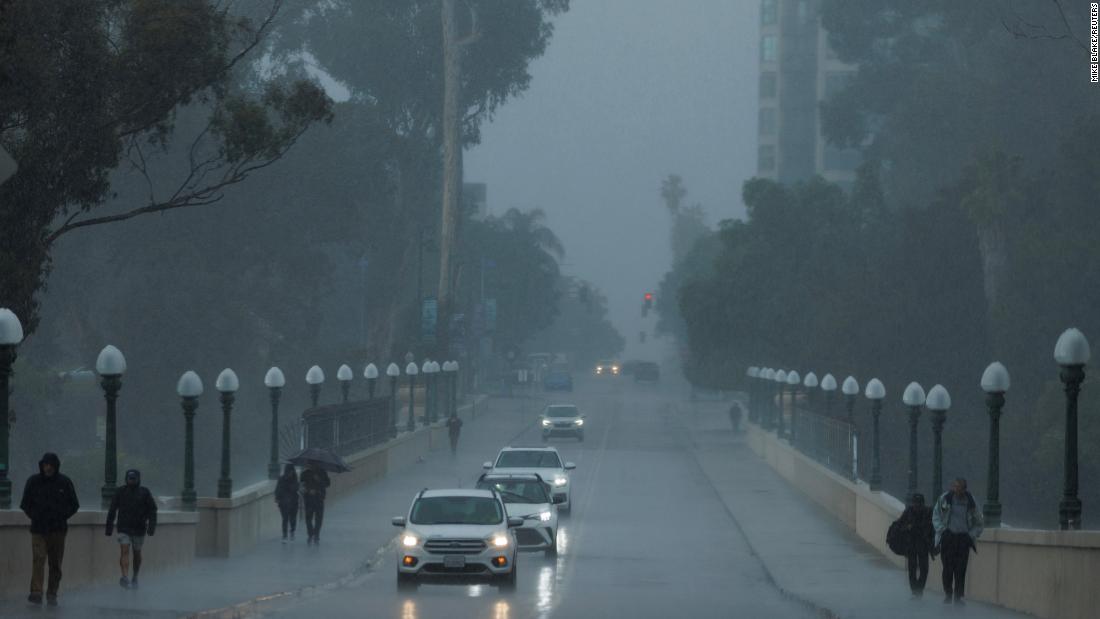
[49,500]
[916,525]
[315,483]
[136,511]
[286,497]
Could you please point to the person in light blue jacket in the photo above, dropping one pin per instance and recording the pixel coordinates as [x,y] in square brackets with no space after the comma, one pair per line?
[958,523]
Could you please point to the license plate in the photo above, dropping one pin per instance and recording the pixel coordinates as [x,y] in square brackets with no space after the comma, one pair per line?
[454,561]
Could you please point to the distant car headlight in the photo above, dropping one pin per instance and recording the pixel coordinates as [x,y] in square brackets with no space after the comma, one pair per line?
[614,370]
[545,516]
[500,540]
[560,481]
[409,541]
[599,370]
[546,423]
[579,422]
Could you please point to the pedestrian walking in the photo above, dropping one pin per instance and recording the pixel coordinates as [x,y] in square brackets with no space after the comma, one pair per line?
[315,483]
[136,511]
[286,497]
[49,500]
[735,414]
[919,539]
[958,523]
[454,429]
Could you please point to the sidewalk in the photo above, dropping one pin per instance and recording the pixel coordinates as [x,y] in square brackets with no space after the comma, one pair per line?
[809,554]
[356,531]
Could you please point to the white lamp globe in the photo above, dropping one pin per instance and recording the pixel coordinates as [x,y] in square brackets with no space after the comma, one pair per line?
[110,362]
[1072,348]
[913,395]
[411,369]
[370,372]
[227,381]
[315,375]
[393,371]
[810,380]
[11,330]
[850,386]
[875,390]
[828,383]
[938,399]
[343,373]
[275,378]
[189,385]
[995,378]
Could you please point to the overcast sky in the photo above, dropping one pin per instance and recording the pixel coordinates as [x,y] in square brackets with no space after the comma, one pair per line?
[628,92]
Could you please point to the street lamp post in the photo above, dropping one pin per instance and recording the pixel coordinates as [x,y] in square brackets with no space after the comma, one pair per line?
[875,392]
[227,385]
[995,383]
[274,380]
[371,374]
[780,421]
[315,377]
[454,387]
[344,375]
[110,365]
[411,371]
[828,387]
[1072,353]
[810,382]
[793,381]
[913,398]
[448,389]
[850,388]
[393,372]
[189,389]
[768,407]
[11,334]
[937,403]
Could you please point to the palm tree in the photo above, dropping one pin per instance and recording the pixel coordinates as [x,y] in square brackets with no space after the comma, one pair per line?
[529,225]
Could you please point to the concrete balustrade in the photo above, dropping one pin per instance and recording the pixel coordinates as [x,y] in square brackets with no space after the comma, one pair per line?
[90,556]
[1049,574]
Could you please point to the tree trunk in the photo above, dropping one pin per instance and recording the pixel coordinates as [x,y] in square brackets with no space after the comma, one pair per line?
[452,169]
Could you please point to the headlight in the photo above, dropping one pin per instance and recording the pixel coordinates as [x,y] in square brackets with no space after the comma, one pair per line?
[579,422]
[545,516]
[560,481]
[409,541]
[546,423]
[500,540]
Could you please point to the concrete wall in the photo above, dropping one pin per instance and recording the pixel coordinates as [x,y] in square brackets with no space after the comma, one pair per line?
[1050,574]
[90,556]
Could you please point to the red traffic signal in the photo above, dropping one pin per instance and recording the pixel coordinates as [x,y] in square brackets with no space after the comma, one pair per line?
[648,296]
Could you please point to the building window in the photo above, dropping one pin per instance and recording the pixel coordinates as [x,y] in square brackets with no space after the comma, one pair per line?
[767,121]
[765,160]
[768,48]
[768,85]
[769,12]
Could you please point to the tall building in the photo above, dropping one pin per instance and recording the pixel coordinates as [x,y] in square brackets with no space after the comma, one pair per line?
[798,71]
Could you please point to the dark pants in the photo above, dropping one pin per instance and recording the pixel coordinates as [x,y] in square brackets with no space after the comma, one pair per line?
[454,442]
[956,554]
[48,548]
[917,562]
[315,515]
[289,512]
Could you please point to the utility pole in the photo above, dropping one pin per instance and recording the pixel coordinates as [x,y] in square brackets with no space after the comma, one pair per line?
[452,160]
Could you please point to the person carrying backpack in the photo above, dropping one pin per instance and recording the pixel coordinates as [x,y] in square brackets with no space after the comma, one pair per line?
[919,538]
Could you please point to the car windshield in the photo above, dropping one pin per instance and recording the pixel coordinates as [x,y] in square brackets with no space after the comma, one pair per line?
[529,459]
[457,510]
[562,411]
[517,490]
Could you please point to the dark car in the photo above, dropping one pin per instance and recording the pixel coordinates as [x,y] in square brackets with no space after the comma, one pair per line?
[562,420]
[646,372]
[557,380]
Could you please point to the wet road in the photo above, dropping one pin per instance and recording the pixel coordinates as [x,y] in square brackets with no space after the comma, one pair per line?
[648,535]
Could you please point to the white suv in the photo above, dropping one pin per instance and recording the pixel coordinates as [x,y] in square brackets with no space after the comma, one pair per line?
[527,497]
[459,532]
[542,461]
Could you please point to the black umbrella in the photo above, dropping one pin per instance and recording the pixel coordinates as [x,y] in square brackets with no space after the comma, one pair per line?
[324,459]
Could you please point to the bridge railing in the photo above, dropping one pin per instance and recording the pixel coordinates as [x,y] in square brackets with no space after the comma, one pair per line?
[831,441]
[348,428]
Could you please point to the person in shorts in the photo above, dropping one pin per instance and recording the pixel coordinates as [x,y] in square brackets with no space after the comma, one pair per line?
[136,511]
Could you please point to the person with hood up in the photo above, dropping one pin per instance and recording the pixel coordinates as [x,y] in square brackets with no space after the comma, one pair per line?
[315,483]
[136,510]
[454,430]
[958,523]
[49,500]
[916,525]
[286,497]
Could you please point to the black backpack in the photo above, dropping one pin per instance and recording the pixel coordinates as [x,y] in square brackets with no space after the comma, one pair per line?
[896,538]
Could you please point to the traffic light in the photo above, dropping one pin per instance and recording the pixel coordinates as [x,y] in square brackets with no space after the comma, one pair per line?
[647,303]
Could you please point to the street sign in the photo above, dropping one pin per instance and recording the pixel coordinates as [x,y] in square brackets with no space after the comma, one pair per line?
[7,165]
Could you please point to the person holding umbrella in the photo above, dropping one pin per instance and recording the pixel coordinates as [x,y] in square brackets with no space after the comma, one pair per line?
[315,483]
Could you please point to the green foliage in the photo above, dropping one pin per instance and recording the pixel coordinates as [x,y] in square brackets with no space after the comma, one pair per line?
[581,329]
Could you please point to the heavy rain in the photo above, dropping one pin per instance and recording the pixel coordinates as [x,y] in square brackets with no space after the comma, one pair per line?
[518,309]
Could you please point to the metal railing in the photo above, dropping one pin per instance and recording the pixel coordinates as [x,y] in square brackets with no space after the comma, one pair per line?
[348,428]
[832,441]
